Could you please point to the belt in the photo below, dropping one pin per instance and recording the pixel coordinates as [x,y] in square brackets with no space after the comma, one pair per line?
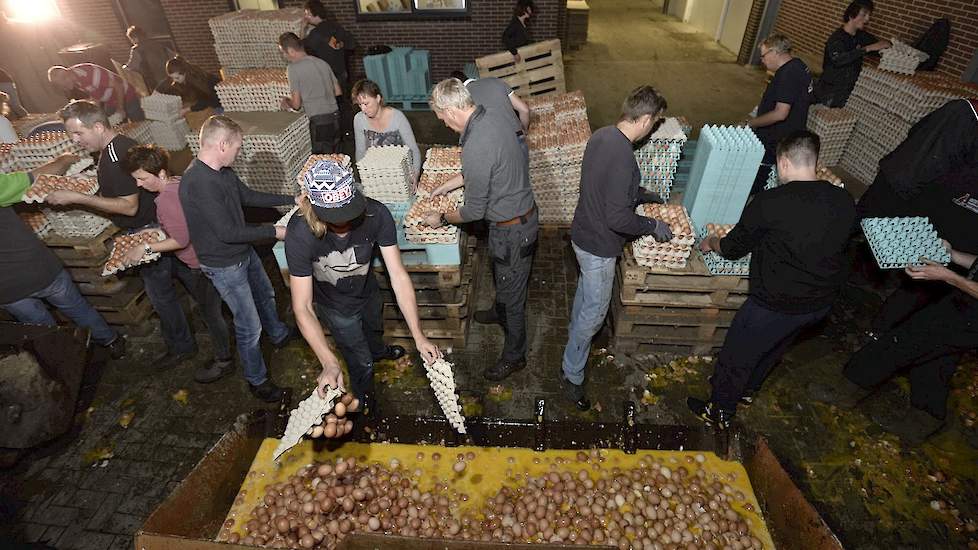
[518,219]
[520,133]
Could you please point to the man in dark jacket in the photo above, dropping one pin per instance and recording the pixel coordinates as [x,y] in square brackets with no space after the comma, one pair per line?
[516,36]
[844,52]
[797,235]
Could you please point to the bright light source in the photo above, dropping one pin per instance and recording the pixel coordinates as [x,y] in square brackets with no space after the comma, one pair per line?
[31,11]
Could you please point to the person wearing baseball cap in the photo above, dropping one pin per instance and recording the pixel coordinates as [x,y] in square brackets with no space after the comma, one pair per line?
[329,247]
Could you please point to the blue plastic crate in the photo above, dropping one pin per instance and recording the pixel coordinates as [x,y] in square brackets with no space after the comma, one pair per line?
[422,254]
[722,174]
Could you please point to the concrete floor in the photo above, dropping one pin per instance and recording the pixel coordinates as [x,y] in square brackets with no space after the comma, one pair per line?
[94,489]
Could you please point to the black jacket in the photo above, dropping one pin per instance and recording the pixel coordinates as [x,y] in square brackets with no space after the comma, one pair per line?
[515,36]
[841,65]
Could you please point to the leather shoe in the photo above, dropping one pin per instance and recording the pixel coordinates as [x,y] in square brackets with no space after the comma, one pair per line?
[267,391]
[214,372]
[575,392]
[502,369]
[117,347]
[391,353]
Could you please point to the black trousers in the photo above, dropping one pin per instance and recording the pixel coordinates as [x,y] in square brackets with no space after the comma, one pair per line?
[756,341]
[926,345]
[324,131]
[512,248]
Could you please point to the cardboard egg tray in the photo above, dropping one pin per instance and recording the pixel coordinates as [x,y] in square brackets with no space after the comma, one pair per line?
[386,173]
[443,159]
[419,233]
[162,107]
[44,184]
[901,242]
[75,223]
[834,127]
[236,57]
[27,123]
[7,161]
[261,26]
[430,181]
[37,221]
[41,148]
[138,131]
[122,244]
[570,105]
[443,384]
[254,90]
[722,174]
[717,264]
[170,135]
[901,58]
[650,253]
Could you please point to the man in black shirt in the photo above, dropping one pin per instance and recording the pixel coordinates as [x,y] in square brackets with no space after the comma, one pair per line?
[797,236]
[130,208]
[330,42]
[844,52]
[515,35]
[212,196]
[604,219]
[784,106]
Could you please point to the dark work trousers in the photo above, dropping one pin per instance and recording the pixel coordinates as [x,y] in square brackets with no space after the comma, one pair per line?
[346,112]
[881,201]
[211,306]
[324,130]
[158,281]
[512,248]
[757,339]
[360,337]
[764,171]
[927,346]
[906,300]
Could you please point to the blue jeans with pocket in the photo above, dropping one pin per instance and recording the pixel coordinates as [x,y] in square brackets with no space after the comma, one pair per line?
[248,292]
[591,300]
[64,295]
[360,338]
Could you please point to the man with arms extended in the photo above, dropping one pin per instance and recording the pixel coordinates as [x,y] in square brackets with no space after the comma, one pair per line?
[844,53]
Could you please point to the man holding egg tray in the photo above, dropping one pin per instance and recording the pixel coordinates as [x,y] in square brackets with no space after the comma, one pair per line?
[329,246]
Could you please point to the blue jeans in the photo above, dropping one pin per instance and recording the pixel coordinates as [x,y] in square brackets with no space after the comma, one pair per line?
[246,290]
[591,301]
[64,295]
[158,281]
[360,337]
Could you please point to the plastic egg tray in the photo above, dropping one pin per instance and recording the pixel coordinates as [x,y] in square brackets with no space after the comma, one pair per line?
[138,131]
[161,107]
[122,244]
[443,384]
[722,174]
[45,184]
[901,242]
[659,157]
[308,413]
[717,264]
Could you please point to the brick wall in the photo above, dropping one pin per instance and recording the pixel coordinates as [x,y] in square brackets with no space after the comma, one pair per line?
[750,34]
[808,23]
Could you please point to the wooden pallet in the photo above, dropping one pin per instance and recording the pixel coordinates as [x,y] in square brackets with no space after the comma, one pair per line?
[660,328]
[540,70]
[427,276]
[692,287]
[130,306]
[82,252]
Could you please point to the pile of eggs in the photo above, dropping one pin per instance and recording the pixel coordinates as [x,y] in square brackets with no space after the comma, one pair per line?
[47,183]
[718,229]
[335,424]
[659,504]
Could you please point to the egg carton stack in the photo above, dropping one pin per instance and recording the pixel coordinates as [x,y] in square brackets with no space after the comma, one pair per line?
[386,173]
[27,123]
[901,58]
[248,39]
[75,223]
[671,255]
[722,174]
[140,132]
[659,157]
[430,181]
[45,184]
[418,233]
[41,148]
[717,264]
[121,246]
[7,161]
[834,128]
[558,135]
[443,160]
[37,221]
[308,413]
[167,126]
[443,384]
[901,242]
[254,90]
[85,167]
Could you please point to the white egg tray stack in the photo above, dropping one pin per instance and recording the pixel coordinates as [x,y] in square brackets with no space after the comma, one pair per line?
[27,123]
[248,39]
[901,58]
[308,413]
[170,135]
[137,131]
[254,90]
[670,255]
[716,264]
[418,233]
[235,57]
[75,223]
[162,107]
[834,128]
[901,242]
[386,173]
[443,384]
[443,159]
[659,157]
[42,148]
[37,221]
[430,181]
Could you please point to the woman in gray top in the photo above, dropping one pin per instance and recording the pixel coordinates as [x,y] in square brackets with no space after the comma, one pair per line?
[379,124]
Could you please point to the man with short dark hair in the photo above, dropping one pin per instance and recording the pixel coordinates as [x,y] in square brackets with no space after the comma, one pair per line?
[329,41]
[605,218]
[314,90]
[796,235]
[844,53]
[515,35]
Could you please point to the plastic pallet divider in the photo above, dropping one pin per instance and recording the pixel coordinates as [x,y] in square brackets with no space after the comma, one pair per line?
[901,242]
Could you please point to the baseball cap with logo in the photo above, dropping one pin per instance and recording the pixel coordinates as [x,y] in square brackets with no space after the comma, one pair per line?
[333,193]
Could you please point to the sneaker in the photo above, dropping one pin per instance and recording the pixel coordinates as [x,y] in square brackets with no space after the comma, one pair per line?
[709,413]
[502,369]
[293,334]
[214,372]
[575,392]
[117,347]
[267,391]
[169,360]
[391,353]
[842,393]
[487,317]
[747,400]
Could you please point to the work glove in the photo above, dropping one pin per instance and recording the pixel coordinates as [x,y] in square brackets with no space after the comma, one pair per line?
[661,231]
[649,197]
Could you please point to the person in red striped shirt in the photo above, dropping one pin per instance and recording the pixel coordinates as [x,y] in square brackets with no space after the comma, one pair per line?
[110,90]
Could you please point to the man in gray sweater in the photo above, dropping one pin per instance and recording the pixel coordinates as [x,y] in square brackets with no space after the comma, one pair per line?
[497,189]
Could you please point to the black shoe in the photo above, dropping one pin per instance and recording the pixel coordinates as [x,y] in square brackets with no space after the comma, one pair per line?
[117,347]
[842,393]
[391,353]
[746,400]
[502,369]
[575,392]
[267,391]
[169,360]
[292,335]
[708,412]
[214,372]
[487,317]
[913,425]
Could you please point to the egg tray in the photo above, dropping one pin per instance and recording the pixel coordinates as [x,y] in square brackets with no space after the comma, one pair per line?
[254,90]
[161,107]
[76,223]
[430,181]
[673,214]
[84,167]
[716,264]
[25,124]
[37,221]
[901,58]
[722,174]
[122,244]
[261,26]
[45,184]
[308,413]
[443,159]
[898,243]
[171,135]
[137,131]
[442,380]
[834,127]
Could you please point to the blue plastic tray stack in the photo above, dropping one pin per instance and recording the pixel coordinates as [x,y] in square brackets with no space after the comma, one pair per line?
[717,264]
[723,171]
[901,242]
[659,157]
[403,76]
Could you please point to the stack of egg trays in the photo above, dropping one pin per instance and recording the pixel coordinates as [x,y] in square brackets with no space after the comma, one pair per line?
[138,131]
[834,128]
[901,58]
[724,168]
[162,107]
[659,157]
[717,265]
[901,242]
[386,173]
[40,149]
[254,90]
[75,223]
